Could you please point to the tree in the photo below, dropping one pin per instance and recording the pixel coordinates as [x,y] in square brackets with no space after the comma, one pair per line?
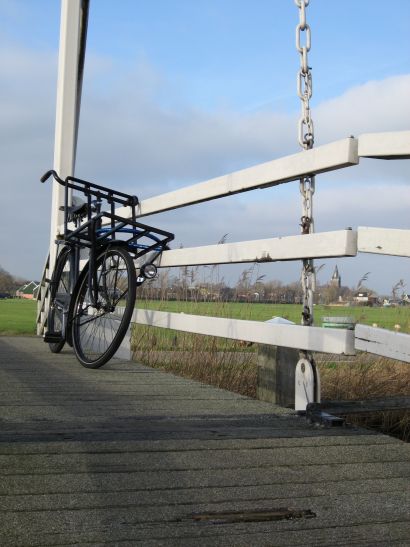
[329,294]
[273,290]
[399,285]
[7,282]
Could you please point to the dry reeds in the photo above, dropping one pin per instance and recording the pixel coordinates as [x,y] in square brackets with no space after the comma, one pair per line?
[369,377]
[364,377]
[216,361]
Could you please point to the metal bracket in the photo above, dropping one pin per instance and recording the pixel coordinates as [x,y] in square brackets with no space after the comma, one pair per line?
[307,384]
[315,414]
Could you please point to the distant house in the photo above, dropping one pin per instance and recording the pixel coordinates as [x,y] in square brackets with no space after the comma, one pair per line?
[28,291]
[364,299]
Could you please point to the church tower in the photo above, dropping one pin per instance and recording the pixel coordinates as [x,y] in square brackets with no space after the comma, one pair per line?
[336,280]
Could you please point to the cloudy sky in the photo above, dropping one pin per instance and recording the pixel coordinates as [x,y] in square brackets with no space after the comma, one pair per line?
[177,92]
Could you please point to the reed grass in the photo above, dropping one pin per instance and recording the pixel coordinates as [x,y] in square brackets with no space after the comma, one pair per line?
[364,377]
[370,377]
[227,364]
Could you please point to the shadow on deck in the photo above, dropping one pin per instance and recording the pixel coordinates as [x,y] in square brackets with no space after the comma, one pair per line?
[130,455]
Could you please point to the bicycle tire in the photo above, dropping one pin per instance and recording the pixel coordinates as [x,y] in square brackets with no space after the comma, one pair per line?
[59,296]
[97,331]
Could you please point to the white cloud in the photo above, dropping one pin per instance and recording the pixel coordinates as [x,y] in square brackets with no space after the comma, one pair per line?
[142,138]
[374,106]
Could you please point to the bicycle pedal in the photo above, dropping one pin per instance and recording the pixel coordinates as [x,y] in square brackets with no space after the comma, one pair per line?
[52,337]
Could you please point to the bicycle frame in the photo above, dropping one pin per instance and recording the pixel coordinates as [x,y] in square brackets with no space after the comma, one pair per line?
[96,230]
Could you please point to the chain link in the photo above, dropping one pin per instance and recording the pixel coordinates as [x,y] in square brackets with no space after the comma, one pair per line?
[306,141]
[304,77]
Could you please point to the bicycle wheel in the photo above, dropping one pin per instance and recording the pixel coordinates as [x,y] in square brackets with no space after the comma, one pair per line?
[98,329]
[60,294]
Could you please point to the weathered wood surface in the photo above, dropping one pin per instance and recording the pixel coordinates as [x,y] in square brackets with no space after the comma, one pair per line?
[394,345]
[328,157]
[385,241]
[319,245]
[127,455]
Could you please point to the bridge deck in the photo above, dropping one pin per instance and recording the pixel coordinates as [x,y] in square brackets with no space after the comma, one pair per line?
[128,455]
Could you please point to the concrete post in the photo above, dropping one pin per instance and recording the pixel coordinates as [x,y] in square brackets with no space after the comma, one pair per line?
[276,371]
[276,375]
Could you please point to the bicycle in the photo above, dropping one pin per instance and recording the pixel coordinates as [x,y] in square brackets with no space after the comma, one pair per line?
[91,306]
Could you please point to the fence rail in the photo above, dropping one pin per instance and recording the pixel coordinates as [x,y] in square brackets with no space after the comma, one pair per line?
[387,145]
[319,245]
[394,345]
[291,336]
[324,158]
[384,241]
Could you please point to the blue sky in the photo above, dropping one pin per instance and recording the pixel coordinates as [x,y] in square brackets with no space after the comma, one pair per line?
[176,92]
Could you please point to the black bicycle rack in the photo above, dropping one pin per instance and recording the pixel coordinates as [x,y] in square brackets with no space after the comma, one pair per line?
[98,228]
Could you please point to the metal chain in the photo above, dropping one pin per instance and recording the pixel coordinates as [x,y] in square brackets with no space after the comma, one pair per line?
[308,277]
[306,141]
[304,78]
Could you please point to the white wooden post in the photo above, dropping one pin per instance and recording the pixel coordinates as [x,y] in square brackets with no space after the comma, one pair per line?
[73,32]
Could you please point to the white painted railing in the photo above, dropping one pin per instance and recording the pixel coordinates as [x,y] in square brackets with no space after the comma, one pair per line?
[394,345]
[317,160]
[320,245]
[338,341]
[340,243]
[384,241]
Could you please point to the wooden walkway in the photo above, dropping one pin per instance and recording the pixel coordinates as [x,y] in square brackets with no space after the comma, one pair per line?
[127,455]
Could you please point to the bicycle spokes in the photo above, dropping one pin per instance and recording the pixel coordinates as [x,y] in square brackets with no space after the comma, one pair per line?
[99,324]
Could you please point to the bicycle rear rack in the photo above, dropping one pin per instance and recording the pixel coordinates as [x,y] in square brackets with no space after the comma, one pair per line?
[139,239]
[102,228]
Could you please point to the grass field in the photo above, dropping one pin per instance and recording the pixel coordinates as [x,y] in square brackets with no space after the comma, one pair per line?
[18,317]
[385,318]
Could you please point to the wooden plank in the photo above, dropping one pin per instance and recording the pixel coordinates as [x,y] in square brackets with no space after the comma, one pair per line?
[394,345]
[384,241]
[135,454]
[338,341]
[319,245]
[329,157]
[387,145]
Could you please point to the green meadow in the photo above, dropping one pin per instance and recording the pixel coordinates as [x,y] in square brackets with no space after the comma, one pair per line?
[385,318]
[17,317]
